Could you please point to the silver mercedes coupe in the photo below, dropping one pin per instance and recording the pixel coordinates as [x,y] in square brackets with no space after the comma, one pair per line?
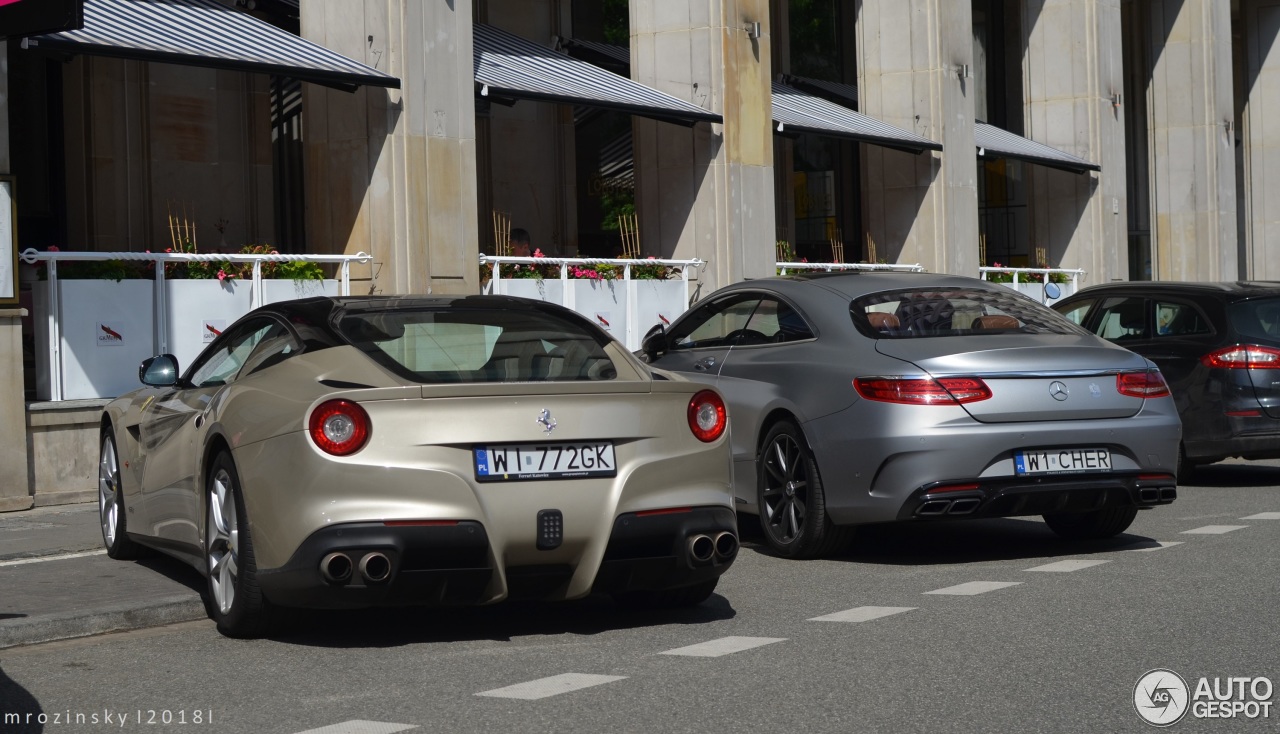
[870,397]
[347,452]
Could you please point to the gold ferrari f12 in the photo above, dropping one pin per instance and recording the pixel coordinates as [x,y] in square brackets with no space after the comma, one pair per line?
[348,452]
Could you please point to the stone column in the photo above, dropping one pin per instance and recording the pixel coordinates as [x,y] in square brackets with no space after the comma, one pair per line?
[1193,181]
[1073,65]
[706,191]
[393,172]
[911,63]
[1260,136]
[15,490]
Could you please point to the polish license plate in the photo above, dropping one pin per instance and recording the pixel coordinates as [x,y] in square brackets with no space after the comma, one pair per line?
[1062,461]
[545,461]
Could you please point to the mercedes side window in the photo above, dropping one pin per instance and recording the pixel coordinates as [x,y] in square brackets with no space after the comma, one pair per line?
[715,324]
[774,322]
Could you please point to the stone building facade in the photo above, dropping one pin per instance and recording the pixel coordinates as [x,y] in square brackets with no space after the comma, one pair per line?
[1166,103]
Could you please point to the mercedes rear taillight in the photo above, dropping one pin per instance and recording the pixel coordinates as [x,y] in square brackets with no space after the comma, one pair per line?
[922,390]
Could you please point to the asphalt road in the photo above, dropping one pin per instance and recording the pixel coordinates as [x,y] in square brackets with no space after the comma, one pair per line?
[1056,649]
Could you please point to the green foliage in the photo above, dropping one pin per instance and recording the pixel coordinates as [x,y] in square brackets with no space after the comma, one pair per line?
[100,270]
[297,270]
[617,22]
[614,204]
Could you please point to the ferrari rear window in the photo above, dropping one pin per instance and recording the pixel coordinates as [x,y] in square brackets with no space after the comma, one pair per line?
[479,345]
[1257,318]
[916,313]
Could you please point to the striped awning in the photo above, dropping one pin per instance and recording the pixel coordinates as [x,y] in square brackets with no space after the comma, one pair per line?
[601,54]
[795,111]
[209,34]
[510,67]
[822,86]
[994,142]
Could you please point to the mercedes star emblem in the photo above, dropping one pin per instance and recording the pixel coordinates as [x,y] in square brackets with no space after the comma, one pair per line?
[1058,390]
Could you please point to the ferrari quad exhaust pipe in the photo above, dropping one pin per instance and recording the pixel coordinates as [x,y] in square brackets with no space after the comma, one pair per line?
[375,567]
[336,568]
[701,548]
[726,544]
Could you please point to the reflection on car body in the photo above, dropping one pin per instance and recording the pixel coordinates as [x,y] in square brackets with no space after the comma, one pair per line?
[339,452]
[883,397]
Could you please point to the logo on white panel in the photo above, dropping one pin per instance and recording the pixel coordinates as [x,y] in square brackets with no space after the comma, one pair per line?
[602,320]
[211,329]
[108,335]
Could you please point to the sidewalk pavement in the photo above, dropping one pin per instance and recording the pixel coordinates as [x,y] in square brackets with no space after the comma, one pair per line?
[56,582]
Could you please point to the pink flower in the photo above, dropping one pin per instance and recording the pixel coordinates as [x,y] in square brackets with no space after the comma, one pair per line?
[168,249]
[54,248]
[223,275]
[804,259]
[538,253]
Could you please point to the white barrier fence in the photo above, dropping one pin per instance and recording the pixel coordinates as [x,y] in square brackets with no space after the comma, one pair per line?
[627,307]
[92,334]
[783,267]
[1040,284]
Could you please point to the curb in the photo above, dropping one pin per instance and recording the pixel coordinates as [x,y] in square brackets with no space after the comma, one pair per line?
[114,618]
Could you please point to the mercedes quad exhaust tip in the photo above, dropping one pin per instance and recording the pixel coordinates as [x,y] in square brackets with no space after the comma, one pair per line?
[375,567]
[336,568]
[964,506]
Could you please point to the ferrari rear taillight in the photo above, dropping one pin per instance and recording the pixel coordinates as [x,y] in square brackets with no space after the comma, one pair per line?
[707,418]
[1244,357]
[339,427]
[922,391]
[1142,384]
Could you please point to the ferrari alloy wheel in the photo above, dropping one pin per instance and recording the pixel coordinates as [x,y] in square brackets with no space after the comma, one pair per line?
[792,504]
[234,600]
[111,503]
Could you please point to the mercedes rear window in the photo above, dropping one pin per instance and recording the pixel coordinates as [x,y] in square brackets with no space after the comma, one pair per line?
[1256,318]
[451,345]
[931,312]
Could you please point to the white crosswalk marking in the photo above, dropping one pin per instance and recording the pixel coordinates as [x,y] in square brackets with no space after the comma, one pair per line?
[42,559]
[1214,529]
[1067,566]
[861,614]
[1159,544]
[974,587]
[553,686]
[723,646]
[357,726]
[1263,516]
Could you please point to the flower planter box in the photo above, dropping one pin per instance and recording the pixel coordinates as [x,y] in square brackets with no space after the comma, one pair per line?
[275,290]
[107,329]
[626,309]
[1035,290]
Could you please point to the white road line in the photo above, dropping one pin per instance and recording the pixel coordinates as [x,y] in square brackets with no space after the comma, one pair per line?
[861,614]
[1214,529]
[1263,516]
[42,559]
[723,646]
[356,726]
[1159,544]
[553,686]
[1067,566]
[974,587]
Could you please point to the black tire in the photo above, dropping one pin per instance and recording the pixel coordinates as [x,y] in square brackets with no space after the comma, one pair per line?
[1186,468]
[111,511]
[680,598]
[792,502]
[1105,523]
[233,598]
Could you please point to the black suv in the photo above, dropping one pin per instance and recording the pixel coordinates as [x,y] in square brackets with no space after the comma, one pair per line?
[1218,345]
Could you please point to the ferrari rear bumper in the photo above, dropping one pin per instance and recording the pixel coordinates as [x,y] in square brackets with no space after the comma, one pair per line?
[432,563]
